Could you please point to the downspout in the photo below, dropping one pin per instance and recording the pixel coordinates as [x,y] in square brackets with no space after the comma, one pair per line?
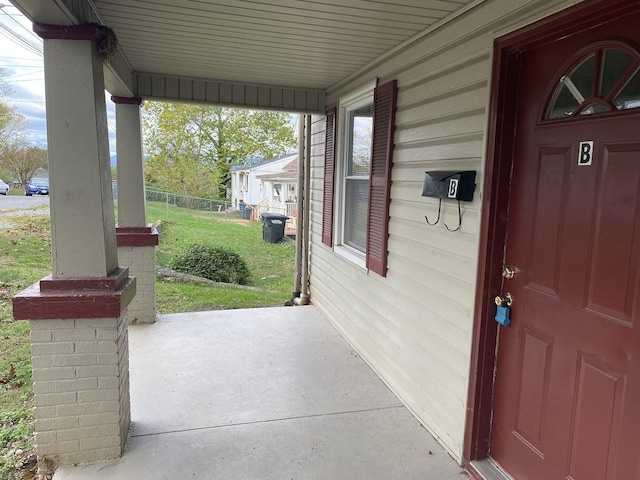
[299,207]
[304,287]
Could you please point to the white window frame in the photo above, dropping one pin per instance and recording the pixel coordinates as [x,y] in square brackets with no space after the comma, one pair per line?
[359,98]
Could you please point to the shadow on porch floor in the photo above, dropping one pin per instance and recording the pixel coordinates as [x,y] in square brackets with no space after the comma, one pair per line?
[263,394]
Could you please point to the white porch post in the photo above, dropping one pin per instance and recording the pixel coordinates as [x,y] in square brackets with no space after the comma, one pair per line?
[136,240]
[77,315]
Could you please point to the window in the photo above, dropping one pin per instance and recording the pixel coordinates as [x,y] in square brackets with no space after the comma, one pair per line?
[356,166]
[606,79]
[361,171]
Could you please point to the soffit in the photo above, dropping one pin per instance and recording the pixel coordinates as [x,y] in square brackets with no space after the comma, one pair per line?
[273,54]
[309,44]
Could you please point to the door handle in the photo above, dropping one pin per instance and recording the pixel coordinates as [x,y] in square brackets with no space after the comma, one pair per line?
[505,300]
[508,272]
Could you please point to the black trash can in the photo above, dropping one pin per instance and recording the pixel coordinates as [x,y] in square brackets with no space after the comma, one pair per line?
[246,212]
[273,227]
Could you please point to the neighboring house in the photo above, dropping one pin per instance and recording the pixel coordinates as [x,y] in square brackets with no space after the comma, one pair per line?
[272,184]
[540,98]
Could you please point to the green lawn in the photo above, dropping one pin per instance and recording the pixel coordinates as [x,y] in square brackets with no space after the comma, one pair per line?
[271,265]
[24,259]
[25,256]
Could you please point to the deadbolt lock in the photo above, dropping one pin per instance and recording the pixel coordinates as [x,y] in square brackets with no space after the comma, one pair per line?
[508,272]
[505,300]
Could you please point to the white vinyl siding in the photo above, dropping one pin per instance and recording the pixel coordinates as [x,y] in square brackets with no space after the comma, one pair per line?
[414,327]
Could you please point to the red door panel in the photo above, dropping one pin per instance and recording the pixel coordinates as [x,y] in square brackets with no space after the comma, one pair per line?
[567,387]
[595,427]
[533,375]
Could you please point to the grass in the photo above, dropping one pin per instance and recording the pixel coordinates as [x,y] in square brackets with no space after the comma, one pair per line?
[25,258]
[271,265]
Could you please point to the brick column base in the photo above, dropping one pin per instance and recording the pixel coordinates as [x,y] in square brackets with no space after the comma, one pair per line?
[137,250]
[80,358]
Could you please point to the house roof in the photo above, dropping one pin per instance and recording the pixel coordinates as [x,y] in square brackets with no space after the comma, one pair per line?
[269,161]
[282,54]
[289,172]
[283,177]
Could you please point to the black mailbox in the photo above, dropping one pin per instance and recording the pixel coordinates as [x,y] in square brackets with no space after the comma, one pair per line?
[450,184]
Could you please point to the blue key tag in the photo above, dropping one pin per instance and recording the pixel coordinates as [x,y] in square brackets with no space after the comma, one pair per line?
[503,315]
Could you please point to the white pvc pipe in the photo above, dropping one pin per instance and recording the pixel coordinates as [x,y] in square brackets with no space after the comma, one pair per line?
[304,291]
[299,208]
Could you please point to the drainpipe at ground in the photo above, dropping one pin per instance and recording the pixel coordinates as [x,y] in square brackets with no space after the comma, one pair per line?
[304,287]
[299,210]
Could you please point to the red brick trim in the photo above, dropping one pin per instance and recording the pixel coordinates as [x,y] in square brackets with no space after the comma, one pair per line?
[136,237]
[46,31]
[111,283]
[76,297]
[126,100]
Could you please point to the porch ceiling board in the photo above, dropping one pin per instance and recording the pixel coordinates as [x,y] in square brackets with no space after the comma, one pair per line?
[306,46]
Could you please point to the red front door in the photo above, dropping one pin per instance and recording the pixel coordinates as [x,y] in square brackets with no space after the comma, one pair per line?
[567,386]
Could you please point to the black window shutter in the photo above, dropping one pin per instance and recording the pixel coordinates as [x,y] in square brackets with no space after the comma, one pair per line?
[384,113]
[329,175]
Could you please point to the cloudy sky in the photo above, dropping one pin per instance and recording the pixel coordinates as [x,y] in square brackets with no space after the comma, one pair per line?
[21,58]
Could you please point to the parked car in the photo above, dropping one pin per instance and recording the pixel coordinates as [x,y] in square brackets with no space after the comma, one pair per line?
[4,188]
[37,187]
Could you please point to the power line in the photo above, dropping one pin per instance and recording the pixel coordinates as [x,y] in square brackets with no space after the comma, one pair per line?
[25,101]
[23,59]
[20,80]
[18,39]
[31,33]
[11,77]
[20,66]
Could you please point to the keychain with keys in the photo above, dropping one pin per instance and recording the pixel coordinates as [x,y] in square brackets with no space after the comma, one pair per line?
[503,309]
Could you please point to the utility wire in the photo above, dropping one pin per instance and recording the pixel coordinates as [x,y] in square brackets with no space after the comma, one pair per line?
[27,44]
[20,66]
[26,101]
[11,77]
[22,59]
[11,16]
[33,47]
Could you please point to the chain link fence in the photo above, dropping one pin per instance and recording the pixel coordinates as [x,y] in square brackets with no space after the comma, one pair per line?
[186,201]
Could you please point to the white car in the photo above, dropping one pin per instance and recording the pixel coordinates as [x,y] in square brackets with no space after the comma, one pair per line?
[4,188]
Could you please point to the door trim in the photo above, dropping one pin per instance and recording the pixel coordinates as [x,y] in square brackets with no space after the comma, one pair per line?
[499,163]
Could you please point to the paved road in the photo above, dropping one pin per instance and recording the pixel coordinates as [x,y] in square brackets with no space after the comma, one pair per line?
[15,204]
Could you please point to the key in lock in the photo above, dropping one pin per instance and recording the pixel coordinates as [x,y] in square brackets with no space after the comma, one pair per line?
[503,309]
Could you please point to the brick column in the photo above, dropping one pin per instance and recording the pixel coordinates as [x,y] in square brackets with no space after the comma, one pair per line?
[78,315]
[80,359]
[137,249]
[136,240]
[80,389]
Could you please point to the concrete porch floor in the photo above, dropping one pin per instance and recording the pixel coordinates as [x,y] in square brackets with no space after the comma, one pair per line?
[263,394]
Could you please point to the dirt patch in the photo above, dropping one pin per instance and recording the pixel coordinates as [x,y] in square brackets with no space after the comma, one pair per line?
[25,464]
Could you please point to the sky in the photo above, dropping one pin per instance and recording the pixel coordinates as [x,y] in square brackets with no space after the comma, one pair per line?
[21,58]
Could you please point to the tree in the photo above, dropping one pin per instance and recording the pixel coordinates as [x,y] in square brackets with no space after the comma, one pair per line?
[191,148]
[18,160]
[12,124]
[23,161]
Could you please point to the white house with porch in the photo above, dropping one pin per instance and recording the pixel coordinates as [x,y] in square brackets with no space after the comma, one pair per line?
[469,210]
[269,186]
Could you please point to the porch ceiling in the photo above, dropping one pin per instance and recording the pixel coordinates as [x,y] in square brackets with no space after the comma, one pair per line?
[298,44]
